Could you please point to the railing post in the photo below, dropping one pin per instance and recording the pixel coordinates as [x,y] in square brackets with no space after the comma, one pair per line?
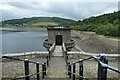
[73,71]
[102,71]
[43,69]
[69,69]
[81,70]
[47,61]
[100,68]
[37,69]
[26,66]
[66,57]
[49,55]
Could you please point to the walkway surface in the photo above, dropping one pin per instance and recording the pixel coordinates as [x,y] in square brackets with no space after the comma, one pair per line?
[57,67]
[58,51]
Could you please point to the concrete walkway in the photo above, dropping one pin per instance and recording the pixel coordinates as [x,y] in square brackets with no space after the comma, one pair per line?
[57,67]
[58,51]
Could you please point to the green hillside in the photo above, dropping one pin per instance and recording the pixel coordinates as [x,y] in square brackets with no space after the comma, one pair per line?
[37,21]
[107,24]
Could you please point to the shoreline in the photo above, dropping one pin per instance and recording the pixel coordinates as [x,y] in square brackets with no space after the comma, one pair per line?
[91,42]
[18,29]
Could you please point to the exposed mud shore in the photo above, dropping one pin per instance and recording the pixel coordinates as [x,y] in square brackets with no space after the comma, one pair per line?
[91,42]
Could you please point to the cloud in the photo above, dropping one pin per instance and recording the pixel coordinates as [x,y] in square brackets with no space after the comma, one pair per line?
[71,10]
[119,5]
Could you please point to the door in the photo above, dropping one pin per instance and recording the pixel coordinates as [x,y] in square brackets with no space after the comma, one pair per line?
[58,40]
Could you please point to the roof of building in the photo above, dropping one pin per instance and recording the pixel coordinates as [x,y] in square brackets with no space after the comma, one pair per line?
[59,27]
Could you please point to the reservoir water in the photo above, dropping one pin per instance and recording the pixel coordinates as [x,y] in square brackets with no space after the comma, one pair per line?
[17,42]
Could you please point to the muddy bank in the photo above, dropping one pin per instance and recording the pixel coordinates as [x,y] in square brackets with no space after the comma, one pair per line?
[93,43]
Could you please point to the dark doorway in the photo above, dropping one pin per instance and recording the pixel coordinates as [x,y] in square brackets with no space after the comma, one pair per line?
[58,39]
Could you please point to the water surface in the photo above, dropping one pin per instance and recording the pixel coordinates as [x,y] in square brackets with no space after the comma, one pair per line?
[15,42]
[19,42]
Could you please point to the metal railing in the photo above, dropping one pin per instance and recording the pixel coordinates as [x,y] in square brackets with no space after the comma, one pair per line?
[102,68]
[26,65]
[65,53]
[51,50]
[27,75]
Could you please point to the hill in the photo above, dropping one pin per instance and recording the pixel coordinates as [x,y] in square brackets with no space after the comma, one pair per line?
[37,21]
[106,24]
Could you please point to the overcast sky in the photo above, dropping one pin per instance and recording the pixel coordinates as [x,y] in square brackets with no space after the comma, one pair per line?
[75,10]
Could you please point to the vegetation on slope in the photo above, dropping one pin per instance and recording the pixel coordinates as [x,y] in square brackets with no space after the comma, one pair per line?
[107,24]
[37,21]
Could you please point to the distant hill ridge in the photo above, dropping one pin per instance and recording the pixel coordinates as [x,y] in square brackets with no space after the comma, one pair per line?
[39,21]
[106,24]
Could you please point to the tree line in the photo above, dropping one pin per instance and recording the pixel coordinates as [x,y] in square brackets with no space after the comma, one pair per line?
[107,24]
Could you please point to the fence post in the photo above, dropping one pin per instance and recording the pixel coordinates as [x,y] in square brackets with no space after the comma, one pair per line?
[37,69]
[49,55]
[73,71]
[100,68]
[43,75]
[102,71]
[45,68]
[66,57]
[47,61]
[69,69]
[26,66]
[81,70]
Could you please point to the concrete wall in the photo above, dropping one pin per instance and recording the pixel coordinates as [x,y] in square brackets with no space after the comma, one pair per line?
[66,34]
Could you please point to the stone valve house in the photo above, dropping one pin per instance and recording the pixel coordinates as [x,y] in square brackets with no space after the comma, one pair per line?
[59,35]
